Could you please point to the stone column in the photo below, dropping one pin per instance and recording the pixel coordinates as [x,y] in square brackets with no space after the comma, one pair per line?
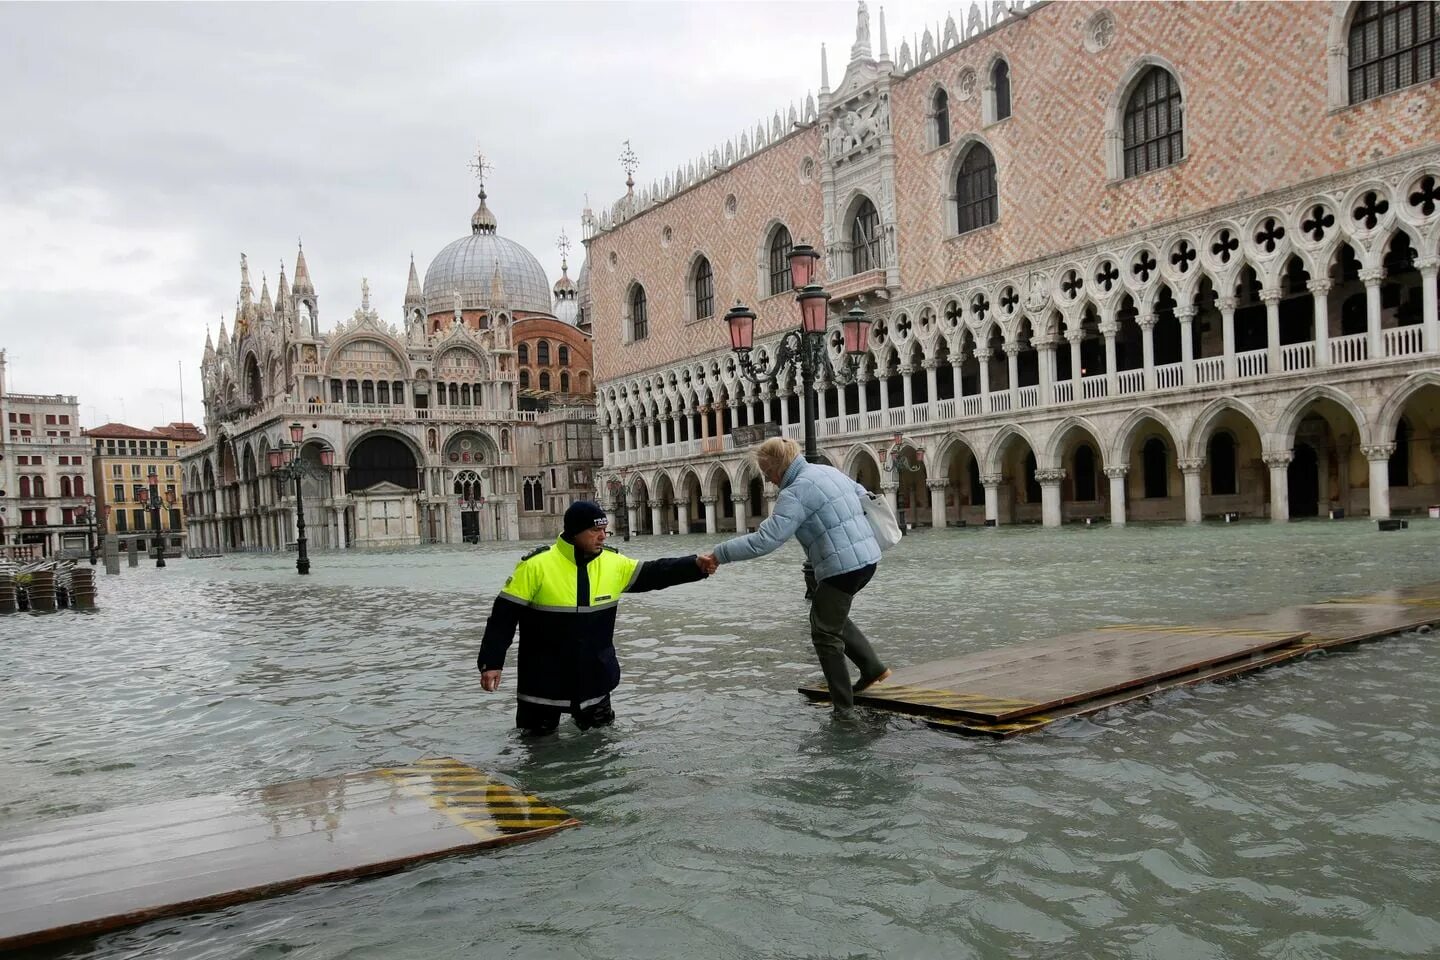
[840,403]
[784,411]
[1379,456]
[1227,329]
[861,379]
[1274,364]
[770,497]
[1147,348]
[1186,316]
[1109,329]
[657,519]
[1279,463]
[891,492]
[633,520]
[712,521]
[1374,339]
[956,382]
[1046,350]
[1049,481]
[1012,367]
[1190,469]
[1075,337]
[820,410]
[1117,477]
[1320,291]
[938,510]
[1429,267]
[991,482]
[741,506]
[907,388]
[932,388]
[884,397]
[983,357]
[683,521]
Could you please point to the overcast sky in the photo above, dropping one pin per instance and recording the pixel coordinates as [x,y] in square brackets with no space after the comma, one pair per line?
[146,146]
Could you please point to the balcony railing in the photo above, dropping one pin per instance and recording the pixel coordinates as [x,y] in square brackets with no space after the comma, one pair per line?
[1397,342]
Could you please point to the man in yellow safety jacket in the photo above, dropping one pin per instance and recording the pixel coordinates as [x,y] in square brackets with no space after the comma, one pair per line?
[564,598]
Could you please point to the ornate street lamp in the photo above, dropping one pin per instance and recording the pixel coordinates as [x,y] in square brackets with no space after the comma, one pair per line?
[87,517]
[151,499]
[804,347]
[895,459]
[616,488]
[286,463]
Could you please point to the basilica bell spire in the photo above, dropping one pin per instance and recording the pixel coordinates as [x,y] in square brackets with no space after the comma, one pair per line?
[303,286]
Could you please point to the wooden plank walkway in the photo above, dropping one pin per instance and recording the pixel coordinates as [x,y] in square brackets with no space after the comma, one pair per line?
[1013,690]
[88,875]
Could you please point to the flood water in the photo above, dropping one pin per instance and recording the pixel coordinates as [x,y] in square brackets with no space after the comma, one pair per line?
[1293,813]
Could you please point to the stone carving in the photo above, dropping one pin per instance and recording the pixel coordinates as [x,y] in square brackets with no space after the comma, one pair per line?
[1099,31]
[952,35]
[905,63]
[927,46]
[1036,296]
[974,23]
[862,33]
[853,128]
[965,86]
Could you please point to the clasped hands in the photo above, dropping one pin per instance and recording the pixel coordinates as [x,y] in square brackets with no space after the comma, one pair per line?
[707,563]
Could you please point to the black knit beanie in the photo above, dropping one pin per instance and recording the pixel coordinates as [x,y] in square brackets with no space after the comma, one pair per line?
[582,515]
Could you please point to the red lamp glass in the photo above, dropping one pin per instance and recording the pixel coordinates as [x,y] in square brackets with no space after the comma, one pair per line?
[857,332]
[803,258]
[327,457]
[144,495]
[741,320]
[297,432]
[274,459]
[814,308]
[153,475]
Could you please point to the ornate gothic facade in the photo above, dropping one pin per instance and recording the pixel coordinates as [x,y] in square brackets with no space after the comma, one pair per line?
[1142,260]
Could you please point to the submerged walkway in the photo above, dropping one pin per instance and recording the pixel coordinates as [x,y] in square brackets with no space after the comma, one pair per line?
[1012,690]
[87,875]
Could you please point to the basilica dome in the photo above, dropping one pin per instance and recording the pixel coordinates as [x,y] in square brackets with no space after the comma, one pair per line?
[469,266]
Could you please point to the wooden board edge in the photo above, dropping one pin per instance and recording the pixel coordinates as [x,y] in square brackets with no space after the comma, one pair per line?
[103,925]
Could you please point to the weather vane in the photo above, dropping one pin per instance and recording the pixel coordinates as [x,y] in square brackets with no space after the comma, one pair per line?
[628,161]
[563,245]
[480,166]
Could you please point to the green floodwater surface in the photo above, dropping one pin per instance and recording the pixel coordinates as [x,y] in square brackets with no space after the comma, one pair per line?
[1293,813]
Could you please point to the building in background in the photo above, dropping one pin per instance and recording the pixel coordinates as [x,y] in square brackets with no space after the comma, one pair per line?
[44,463]
[432,421]
[122,458]
[1163,261]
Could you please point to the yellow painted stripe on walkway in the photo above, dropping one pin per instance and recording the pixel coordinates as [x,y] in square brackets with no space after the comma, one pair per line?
[473,800]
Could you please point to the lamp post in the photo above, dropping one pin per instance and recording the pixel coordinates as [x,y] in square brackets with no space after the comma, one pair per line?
[87,517]
[804,347]
[286,463]
[468,501]
[151,499]
[895,458]
[617,494]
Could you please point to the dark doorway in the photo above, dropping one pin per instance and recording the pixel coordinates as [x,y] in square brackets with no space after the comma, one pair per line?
[977,489]
[1032,486]
[381,459]
[1222,464]
[1084,473]
[1157,474]
[1303,481]
[470,526]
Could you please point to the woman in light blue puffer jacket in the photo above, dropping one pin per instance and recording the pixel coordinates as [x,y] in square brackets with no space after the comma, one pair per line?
[820,507]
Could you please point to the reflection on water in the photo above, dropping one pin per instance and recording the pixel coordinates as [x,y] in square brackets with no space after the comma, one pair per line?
[1293,813]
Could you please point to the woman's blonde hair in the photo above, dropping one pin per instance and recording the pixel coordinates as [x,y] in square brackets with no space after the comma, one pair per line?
[776,454]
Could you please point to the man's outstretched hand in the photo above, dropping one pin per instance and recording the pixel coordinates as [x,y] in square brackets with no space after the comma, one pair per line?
[707,563]
[490,680]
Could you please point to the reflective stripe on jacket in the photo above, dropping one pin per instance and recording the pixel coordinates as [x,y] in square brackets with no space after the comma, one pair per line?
[566,614]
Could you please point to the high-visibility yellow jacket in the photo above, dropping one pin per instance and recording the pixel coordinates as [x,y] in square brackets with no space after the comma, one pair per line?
[566,613]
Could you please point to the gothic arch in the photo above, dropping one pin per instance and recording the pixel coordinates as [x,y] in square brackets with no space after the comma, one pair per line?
[1053,453]
[950,197]
[1282,437]
[853,457]
[1119,450]
[1114,142]
[1011,431]
[1199,436]
[1394,406]
[940,462]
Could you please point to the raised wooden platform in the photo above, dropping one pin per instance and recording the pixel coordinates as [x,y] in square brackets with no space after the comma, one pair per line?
[87,875]
[1019,689]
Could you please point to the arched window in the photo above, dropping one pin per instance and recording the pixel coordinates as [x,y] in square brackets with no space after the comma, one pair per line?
[38,486]
[79,486]
[865,239]
[976,192]
[940,112]
[999,91]
[352,391]
[524,379]
[465,394]
[504,441]
[1153,125]
[367,391]
[639,322]
[24,486]
[542,353]
[397,392]
[780,246]
[522,354]
[1221,455]
[382,391]
[564,381]
[544,380]
[1393,45]
[703,289]
[65,487]
[564,353]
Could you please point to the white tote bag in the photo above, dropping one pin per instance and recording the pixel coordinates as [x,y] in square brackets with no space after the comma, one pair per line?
[882,520]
